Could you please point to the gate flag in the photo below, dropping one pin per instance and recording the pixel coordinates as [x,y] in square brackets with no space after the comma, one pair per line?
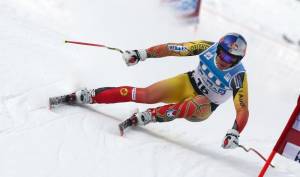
[291,147]
[288,143]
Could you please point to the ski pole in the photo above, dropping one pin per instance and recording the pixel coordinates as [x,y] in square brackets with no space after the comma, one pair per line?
[256,152]
[95,45]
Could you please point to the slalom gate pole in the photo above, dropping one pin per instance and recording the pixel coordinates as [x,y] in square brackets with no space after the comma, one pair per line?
[268,162]
[256,152]
[95,45]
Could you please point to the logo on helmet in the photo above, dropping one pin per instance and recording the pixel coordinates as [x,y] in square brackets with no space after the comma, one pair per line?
[234,46]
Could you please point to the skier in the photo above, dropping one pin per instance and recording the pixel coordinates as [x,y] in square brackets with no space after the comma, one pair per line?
[193,95]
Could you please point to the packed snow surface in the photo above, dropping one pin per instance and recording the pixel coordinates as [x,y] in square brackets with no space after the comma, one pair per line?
[76,141]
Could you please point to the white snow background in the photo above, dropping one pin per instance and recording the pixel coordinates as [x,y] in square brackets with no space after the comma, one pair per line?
[35,64]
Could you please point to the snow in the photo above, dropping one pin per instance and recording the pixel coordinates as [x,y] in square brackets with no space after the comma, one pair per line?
[84,141]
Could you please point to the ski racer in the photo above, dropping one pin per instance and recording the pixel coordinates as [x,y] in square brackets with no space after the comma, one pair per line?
[193,95]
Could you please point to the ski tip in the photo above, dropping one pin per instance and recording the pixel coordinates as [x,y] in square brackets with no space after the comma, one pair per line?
[121,130]
[49,105]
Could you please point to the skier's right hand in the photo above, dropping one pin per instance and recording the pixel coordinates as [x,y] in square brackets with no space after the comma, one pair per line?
[132,57]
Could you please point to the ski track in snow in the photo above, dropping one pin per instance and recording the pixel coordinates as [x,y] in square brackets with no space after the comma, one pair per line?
[82,141]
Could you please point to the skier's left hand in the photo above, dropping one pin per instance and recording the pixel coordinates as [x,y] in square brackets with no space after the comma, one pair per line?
[231,139]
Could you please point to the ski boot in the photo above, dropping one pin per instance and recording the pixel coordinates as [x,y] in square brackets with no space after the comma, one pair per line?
[139,118]
[80,97]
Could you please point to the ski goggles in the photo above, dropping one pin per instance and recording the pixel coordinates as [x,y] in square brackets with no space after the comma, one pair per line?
[227,57]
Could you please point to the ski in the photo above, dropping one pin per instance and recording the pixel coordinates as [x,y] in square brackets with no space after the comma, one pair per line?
[132,121]
[64,99]
[71,100]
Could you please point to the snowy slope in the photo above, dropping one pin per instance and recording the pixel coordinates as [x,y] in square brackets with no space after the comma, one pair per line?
[84,141]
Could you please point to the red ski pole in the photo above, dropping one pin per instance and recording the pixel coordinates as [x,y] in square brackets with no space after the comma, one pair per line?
[95,45]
